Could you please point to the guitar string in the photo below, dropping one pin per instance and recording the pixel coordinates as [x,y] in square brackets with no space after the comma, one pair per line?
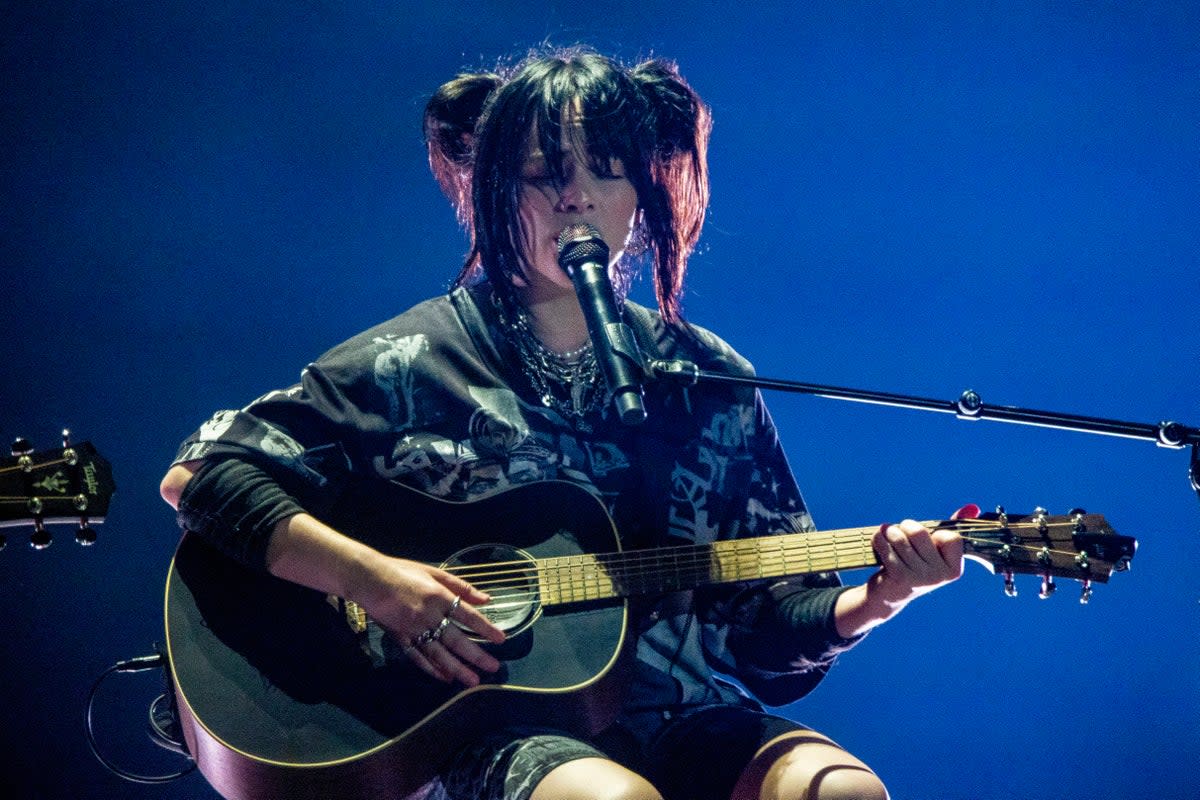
[590,573]
[589,577]
[42,465]
[700,566]
[816,542]
[577,585]
[700,569]
[33,468]
[686,556]
[579,589]
[42,497]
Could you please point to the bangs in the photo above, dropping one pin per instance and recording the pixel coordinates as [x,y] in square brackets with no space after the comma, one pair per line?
[585,107]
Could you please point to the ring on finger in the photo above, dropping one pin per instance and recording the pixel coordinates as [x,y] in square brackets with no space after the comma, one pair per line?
[431,635]
[435,633]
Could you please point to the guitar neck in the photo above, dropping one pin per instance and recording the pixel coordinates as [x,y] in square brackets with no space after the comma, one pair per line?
[580,578]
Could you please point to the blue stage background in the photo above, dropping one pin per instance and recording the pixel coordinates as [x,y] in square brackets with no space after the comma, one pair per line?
[912,197]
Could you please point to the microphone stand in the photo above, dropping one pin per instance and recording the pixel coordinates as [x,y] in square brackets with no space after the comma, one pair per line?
[968,406]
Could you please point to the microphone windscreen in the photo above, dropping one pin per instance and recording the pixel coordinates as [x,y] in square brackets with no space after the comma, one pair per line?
[580,243]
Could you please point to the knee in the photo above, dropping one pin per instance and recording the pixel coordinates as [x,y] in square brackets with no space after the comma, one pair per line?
[628,787]
[847,783]
[623,786]
[594,779]
[817,773]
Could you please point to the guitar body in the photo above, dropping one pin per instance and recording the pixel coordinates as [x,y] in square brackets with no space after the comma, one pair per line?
[279,696]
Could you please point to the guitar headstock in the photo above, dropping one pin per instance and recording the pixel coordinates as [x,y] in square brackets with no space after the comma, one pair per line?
[1075,545]
[71,484]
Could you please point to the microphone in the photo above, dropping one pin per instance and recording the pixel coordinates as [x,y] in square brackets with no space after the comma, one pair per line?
[583,255]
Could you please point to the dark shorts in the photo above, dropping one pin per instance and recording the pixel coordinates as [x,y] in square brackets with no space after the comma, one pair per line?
[697,756]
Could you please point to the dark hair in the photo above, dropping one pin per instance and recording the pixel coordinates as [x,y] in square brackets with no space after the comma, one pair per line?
[476,127]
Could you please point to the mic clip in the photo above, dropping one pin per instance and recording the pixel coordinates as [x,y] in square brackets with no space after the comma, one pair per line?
[684,373]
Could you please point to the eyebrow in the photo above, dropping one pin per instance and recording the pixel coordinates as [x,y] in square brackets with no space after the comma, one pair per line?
[537,161]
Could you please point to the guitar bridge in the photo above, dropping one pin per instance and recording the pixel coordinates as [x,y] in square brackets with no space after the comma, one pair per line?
[372,639]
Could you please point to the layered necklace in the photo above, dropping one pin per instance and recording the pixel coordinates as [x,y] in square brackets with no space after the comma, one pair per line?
[568,383]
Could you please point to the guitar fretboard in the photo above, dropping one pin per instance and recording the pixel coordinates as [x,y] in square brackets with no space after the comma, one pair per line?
[580,578]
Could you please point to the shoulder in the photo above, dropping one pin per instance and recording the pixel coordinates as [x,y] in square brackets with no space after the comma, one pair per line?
[685,341]
[439,330]
[430,320]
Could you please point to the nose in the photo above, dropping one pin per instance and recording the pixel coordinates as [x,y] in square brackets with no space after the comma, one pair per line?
[575,196]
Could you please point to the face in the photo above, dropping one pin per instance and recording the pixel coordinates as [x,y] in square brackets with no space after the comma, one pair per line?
[607,202]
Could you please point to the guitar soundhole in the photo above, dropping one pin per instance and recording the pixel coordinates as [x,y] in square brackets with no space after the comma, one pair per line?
[506,573]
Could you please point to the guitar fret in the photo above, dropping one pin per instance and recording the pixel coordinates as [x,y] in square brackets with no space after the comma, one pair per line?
[598,583]
[547,589]
[561,577]
[573,566]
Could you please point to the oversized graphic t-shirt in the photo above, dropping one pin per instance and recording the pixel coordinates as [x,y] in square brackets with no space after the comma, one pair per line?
[435,399]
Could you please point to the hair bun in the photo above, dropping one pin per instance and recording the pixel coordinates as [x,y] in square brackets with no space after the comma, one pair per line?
[681,118]
[450,117]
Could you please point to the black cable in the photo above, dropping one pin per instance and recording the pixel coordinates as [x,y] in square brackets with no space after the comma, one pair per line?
[140,664]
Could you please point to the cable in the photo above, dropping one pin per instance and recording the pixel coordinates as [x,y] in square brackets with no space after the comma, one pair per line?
[140,664]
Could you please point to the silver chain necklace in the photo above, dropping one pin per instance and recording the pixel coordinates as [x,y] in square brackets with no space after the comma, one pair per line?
[567,383]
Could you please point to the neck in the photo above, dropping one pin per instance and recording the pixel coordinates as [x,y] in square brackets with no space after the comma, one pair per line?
[556,319]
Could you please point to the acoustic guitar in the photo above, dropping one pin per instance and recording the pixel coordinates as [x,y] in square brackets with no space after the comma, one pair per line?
[287,693]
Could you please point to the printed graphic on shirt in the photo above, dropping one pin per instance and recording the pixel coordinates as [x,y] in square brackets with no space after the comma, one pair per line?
[394,374]
[216,427]
[243,429]
[507,443]
[695,485]
[497,428]
[760,505]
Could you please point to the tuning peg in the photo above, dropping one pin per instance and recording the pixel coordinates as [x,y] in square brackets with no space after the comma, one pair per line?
[22,450]
[1039,516]
[85,534]
[1010,586]
[1048,586]
[69,454]
[40,539]
[1086,594]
